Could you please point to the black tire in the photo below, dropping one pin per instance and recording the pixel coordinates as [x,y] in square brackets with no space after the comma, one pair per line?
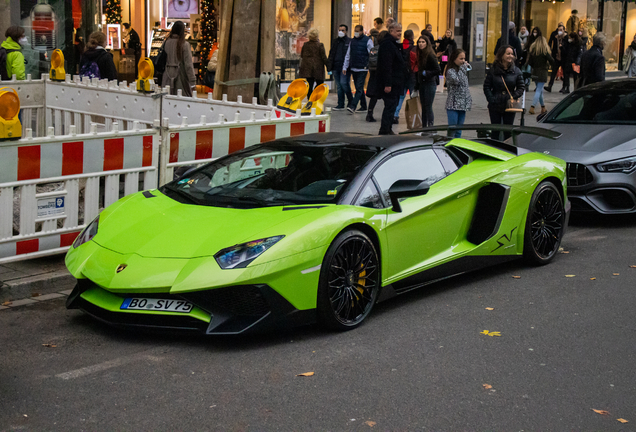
[349,281]
[545,224]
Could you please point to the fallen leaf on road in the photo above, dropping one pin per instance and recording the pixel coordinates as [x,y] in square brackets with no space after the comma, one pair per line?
[632,266]
[370,423]
[622,420]
[25,415]
[516,277]
[489,333]
[616,274]
[592,278]
[565,251]
[36,295]
[570,275]
[601,412]
[490,308]
[486,386]
[306,374]
[7,303]
[48,345]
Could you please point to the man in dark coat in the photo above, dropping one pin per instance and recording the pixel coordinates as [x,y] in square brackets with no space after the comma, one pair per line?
[593,62]
[513,41]
[391,75]
[337,55]
[134,43]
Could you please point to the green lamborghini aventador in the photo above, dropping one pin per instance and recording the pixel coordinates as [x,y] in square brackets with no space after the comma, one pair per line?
[315,228]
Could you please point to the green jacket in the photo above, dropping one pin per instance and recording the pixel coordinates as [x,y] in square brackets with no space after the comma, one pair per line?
[15,60]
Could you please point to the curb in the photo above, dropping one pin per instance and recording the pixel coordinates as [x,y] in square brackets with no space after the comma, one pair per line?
[47,283]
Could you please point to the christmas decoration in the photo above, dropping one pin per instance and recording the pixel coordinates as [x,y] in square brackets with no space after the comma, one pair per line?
[113,12]
[207,35]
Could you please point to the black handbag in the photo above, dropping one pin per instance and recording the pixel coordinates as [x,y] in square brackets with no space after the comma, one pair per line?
[208,79]
[160,61]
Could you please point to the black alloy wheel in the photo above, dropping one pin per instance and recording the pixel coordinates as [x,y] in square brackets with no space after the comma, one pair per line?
[349,281]
[544,225]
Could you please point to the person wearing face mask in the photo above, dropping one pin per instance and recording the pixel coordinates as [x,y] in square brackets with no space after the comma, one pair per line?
[524,34]
[572,62]
[15,40]
[559,50]
[629,60]
[525,56]
[584,37]
[337,53]
[357,59]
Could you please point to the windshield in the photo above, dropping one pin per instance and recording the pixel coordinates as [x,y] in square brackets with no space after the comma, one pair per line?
[598,107]
[272,175]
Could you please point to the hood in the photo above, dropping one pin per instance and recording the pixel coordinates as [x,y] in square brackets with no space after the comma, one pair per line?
[584,143]
[161,227]
[11,44]
[94,54]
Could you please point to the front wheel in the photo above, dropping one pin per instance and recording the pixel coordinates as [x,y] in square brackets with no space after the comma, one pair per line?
[349,281]
[544,224]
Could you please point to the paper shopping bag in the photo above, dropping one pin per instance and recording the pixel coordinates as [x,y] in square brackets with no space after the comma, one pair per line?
[413,113]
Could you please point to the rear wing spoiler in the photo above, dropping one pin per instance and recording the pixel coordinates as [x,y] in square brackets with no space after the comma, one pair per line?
[486,130]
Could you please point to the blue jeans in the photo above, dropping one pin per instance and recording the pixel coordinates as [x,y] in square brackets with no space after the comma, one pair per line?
[342,86]
[410,87]
[538,95]
[456,117]
[358,81]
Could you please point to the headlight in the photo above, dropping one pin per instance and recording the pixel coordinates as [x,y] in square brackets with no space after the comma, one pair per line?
[88,233]
[241,255]
[626,165]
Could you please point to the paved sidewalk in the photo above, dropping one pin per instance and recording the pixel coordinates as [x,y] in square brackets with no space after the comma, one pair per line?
[36,277]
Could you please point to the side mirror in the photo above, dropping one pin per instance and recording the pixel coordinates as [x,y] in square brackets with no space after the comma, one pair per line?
[405,189]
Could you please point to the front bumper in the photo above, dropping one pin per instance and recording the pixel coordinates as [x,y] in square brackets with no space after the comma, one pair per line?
[219,311]
[606,193]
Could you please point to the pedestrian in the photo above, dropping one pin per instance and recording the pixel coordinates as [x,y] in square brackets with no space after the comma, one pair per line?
[337,55]
[629,59]
[523,61]
[539,58]
[584,37]
[357,60]
[572,63]
[428,72]
[13,43]
[313,60]
[426,32]
[513,41]
[558,48]
[573,22]
[378,26]
[593,62]
[445,48]
[523,37]
[179,73]
[554,34]
[96,61]
[504,81]
[134,43]
[459,100]
[390,75]
[410,60]
[373,92]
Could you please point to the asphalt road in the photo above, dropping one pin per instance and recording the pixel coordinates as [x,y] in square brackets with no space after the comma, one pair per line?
[420,362]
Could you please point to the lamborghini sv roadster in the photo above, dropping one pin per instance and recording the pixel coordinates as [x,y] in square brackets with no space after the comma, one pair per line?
[315,228]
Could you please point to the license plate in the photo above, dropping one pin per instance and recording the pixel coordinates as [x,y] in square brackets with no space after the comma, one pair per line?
[160,305]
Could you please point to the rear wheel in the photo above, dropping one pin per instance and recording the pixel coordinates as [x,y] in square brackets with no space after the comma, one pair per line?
[544,225]
[349,281]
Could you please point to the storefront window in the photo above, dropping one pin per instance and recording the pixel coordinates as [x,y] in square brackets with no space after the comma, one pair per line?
[612,27]
[294,18]
[494,30]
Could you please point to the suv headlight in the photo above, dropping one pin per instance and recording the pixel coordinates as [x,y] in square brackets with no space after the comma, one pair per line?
[239,256]
[626,165]
[87,235]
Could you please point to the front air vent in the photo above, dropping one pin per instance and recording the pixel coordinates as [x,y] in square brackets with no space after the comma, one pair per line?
[579,175]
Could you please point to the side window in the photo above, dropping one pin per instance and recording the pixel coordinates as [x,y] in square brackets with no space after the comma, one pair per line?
[415,165]
[447,161]
[369,197]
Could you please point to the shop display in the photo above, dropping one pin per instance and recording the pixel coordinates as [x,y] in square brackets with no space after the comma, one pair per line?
[43,27]
[113,12]
[157,39]
[208,29]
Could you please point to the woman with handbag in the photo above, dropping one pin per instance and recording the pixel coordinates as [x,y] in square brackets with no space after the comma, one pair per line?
[503,88]
[459,100]
[179,72]
[427,78]
[445,48]
[538,59]
[313,61]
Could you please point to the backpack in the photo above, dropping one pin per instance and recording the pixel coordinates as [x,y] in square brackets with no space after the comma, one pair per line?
[4,53]
[373,58]
[90,70]
[406,54]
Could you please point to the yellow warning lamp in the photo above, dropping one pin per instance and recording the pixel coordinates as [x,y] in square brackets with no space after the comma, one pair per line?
[296,92]
[57,72]
[316,100]
[10,126]
[146,72]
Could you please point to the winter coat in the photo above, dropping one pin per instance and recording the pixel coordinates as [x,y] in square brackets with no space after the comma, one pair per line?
[539,65]
[514,42]
[573,24]
[134,42]
[432,69]
[430,37]
[573,55]
[391,71]
[15,60]
[313,60]
[179,75]
[629,59]
[559,48]
[104,60]
[446,46]
[338,52]
[592,66]
[494,87]
[459,98]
